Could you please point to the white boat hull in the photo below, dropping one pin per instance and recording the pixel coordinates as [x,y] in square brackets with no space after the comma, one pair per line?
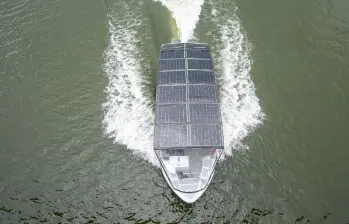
[187,197]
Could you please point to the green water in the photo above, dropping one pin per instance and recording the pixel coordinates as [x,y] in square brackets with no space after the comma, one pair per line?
[59,164]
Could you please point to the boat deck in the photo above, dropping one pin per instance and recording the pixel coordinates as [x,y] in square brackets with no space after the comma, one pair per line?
[188,135]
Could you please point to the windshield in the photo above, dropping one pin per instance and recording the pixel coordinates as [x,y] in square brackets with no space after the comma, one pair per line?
[188,170]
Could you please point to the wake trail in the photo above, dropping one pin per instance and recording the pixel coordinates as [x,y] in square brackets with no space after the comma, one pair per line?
[128,115]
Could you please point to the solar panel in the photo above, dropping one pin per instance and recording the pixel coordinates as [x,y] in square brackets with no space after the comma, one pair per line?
[171,113]
[202,93]
[201,77]
[168,54]
[197,46]
[200,64]
[206,135]
[175,64]
[171,94]
[172,46]
[204,113]
[172,77]
[171,135]
[193,53]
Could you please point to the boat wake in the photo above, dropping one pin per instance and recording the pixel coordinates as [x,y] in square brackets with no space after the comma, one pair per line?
[186,14]
[128,115]
[240,105]
[128,112]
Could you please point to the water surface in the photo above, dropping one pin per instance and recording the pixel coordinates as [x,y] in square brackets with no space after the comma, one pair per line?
[77,88]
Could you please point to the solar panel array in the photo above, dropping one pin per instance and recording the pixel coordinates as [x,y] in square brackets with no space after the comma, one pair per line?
[187,112]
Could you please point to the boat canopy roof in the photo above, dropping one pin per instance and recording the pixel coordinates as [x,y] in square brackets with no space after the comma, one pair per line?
[187,110]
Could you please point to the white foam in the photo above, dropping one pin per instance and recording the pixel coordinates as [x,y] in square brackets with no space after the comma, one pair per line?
[186,13]
[128,115]
[240,105]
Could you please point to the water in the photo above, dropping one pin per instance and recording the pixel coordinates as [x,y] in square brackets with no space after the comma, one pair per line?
[77,105]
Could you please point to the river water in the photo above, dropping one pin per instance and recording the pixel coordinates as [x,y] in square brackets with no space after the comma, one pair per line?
[77,90]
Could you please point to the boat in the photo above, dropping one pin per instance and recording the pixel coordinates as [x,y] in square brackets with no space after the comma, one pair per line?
[188,134]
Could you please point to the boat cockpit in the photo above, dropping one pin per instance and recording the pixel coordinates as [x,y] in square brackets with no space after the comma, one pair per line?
[189,170]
